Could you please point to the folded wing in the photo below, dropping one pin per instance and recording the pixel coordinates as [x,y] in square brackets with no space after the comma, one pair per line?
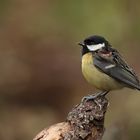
[118,69]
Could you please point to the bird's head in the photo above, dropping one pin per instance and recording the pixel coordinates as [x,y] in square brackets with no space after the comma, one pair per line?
[94,44]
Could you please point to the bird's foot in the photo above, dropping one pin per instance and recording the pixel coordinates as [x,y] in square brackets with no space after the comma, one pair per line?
[93,96]
[89,97]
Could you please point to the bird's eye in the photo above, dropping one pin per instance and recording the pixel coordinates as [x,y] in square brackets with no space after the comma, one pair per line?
[90,43]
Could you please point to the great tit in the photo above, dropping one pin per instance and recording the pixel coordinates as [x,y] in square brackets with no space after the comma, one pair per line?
[104,68]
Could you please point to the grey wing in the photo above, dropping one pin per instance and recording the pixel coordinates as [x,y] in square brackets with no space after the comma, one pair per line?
[118,69]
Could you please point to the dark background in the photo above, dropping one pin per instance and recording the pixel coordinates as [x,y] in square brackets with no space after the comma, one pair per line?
[40,74]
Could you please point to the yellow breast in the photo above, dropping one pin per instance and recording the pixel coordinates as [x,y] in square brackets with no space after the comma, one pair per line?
[95,77]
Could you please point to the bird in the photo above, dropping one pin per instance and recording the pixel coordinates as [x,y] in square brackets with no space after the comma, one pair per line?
[104,68]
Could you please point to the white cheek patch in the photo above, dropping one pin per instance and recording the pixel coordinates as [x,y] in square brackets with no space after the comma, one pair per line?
[95,47]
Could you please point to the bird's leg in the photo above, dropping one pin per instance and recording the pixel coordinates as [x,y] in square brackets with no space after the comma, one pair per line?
[93,96]
[104,93]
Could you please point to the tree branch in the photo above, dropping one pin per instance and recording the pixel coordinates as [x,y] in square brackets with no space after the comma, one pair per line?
[84,122]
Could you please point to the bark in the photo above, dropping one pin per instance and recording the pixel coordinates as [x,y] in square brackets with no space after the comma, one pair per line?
[84,122]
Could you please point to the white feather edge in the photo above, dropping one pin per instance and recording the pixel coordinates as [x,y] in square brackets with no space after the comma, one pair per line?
[110,66]
[95,47]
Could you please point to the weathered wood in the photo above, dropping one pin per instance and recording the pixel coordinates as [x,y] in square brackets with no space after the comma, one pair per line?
[84,122]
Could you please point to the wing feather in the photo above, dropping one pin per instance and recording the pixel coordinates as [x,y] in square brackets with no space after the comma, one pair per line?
[117,68]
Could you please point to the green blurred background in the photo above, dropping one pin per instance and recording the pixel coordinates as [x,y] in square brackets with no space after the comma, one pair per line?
[40,74]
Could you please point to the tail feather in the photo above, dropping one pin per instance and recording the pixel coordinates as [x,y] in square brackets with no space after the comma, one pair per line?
[138,87]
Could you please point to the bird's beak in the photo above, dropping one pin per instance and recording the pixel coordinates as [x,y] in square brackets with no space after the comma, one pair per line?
[81,44]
